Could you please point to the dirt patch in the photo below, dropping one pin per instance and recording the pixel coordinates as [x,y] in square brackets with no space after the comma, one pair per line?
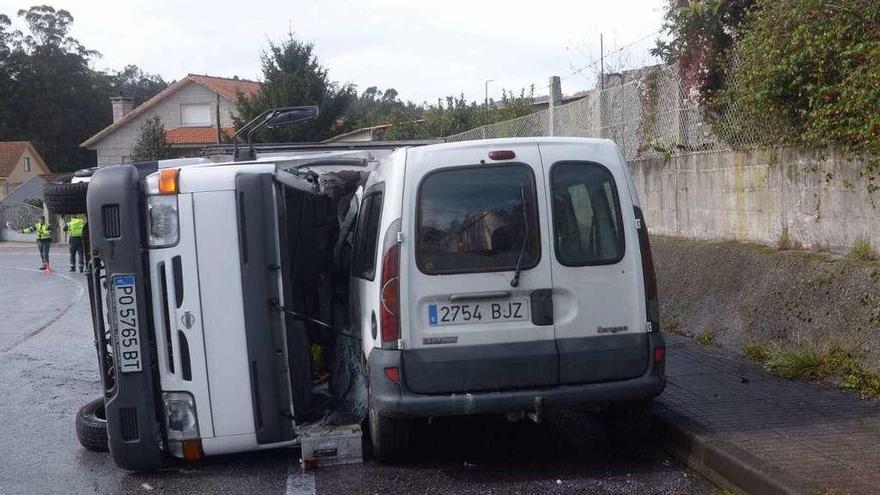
[749,294]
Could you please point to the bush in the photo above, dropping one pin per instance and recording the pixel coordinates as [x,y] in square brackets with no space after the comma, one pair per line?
[807,73]
[862,250]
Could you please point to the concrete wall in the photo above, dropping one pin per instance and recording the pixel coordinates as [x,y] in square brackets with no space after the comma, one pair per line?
[817,198]
[116,147]
[32,188]
[19,175]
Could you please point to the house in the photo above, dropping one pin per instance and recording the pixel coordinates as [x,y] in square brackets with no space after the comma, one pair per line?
[19,161]
[196,111]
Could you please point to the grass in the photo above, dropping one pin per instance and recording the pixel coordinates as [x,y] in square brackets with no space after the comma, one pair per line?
[862,250]
[812,363]
[755,352]
[671,324]
[785,242]
[706,337]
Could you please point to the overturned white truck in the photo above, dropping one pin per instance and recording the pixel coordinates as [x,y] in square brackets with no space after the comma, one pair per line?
[237,302]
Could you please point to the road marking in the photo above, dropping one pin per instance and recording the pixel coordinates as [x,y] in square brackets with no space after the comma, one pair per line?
[300,483]
[52,320]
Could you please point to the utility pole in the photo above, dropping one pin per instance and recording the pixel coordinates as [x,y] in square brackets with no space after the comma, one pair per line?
[486,102]
[601,62]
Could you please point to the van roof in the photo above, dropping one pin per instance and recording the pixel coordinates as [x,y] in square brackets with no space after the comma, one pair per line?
[605,144]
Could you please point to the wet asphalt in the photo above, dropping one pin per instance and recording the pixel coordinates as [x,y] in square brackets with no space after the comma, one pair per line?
[48,369]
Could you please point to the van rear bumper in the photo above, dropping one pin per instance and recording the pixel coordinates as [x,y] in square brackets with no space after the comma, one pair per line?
[396,400]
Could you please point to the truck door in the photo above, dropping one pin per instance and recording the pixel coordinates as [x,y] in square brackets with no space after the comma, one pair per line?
[468,220]
[598,293]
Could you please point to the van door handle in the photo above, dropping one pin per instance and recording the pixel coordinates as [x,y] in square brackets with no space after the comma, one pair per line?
[480,296]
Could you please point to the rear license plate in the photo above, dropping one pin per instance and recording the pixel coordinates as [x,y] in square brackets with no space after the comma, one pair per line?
[484,312]
[128,355]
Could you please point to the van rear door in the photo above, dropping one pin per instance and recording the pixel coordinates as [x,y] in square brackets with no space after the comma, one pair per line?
[598,290]
[467,220]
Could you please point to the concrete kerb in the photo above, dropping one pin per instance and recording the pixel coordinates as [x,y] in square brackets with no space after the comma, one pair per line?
[727,465]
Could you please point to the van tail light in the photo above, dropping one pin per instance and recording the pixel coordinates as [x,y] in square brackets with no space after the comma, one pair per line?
[652,304]
[389,297]
[659,354]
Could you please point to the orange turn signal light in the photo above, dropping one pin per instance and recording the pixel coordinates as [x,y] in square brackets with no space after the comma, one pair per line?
[168,180]
[192,450]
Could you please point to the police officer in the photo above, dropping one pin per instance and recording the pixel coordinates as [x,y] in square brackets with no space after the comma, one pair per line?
[74,228]
[44,241]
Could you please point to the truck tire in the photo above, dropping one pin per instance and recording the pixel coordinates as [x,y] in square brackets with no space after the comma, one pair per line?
[91,426]
[65,198]
[631,422]
[389,436]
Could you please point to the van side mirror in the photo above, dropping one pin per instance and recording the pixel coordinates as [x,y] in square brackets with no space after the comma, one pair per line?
[291,115]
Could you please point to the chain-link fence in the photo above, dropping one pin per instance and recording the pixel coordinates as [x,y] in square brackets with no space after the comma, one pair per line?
[17,217]
[652,116]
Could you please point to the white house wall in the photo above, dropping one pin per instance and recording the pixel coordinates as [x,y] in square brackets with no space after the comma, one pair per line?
[116,147]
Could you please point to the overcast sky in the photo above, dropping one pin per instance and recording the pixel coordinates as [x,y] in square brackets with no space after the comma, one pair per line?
[424,49]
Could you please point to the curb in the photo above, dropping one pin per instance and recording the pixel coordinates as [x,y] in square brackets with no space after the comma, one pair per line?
[725,464]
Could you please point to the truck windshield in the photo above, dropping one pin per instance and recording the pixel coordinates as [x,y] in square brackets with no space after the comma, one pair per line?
[471,219]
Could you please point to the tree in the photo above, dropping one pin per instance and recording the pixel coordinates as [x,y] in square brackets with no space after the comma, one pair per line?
[376,107]
[135,83]
[458,115]
[292,75]
[151,143]
[701,35]
[49,94]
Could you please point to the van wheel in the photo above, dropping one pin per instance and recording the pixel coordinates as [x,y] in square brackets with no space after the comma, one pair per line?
[631,421]
[91,426]
[389,436]
[65,198]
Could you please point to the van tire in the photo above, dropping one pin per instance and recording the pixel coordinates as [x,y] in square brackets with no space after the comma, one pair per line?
[390,437]
[65,198]
[631,421]
[91,426]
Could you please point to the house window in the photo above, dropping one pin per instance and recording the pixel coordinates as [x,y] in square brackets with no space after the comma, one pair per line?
[195,115]
[27,164]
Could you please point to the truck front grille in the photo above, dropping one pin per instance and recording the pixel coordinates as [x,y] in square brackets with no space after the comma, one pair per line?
[129,422]
[110,221]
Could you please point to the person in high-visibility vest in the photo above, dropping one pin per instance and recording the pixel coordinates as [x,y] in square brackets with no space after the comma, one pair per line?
[74,228]
[44,241]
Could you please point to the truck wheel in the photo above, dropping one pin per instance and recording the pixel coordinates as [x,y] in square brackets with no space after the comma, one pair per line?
[389,436]
[91,426]
[631,421]
[65,198]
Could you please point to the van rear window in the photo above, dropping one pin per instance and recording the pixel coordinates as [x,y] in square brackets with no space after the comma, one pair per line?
[477,219]
[587,225]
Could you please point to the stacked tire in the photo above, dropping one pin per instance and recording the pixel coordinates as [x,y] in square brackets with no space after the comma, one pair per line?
[65,198]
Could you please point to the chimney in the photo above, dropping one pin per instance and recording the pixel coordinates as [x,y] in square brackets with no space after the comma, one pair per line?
[121,106]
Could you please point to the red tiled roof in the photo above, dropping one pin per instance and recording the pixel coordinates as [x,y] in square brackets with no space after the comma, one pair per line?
[196,135]
[227,88]
[10,152]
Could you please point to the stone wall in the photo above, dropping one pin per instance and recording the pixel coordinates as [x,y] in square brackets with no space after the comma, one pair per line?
[813,198]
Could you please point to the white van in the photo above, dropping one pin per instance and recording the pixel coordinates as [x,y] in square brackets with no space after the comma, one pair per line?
[503,276]
[495,276]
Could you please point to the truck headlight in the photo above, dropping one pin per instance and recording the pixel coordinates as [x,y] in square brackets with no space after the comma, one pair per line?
[180,416]
[162,221]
